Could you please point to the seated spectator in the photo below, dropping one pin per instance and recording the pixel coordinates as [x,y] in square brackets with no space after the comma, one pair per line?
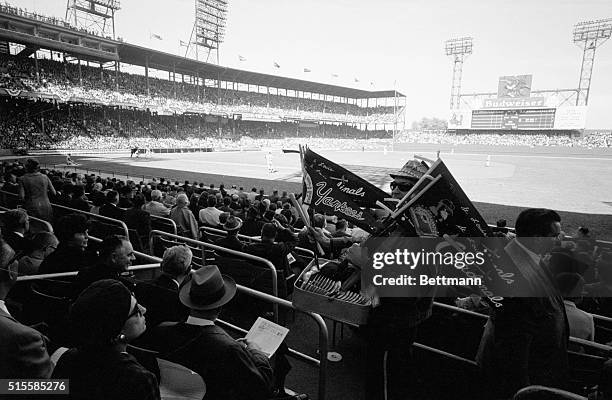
[63,196]
[23,350]
[16,226]
[97,197]
[155,206]
[125,197]
[186,223]
[40,247]
[160,296]
[79,201]
[71,254]
[225,207]
[199,344]
[252,195]
[209,216]
[110,209]
[105,318]
[599,294]
[252,225]
[138,219]
[277,253]
[581,323]
[341,227]
[116,255]
[231,241]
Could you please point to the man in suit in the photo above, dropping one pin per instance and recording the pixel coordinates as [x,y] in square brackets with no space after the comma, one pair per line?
[16,226]
[155,206]
[231,241]
[232,369]
[160,296]
[277,253]
[110,209]
[525,340]
[23,351]
[79,201]
[116,255]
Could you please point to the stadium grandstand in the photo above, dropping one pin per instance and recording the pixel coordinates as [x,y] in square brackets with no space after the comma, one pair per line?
[146,248]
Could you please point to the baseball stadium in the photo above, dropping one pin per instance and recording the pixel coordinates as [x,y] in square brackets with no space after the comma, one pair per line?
[135,180]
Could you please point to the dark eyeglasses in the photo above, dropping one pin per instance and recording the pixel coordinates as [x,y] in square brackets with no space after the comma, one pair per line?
[404,187]
[135,311]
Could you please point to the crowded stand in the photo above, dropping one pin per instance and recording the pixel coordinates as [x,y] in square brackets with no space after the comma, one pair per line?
[110,304]
[68,80]
[112,283]
[55,125]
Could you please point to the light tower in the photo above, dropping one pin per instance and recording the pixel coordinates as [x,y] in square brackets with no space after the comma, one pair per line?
[93,15]
[209,26]
[588,35]
[459,49]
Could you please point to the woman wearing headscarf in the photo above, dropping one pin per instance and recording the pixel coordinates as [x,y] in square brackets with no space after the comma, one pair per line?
[106,317]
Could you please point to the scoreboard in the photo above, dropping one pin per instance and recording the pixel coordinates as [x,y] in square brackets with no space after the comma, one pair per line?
[513,119]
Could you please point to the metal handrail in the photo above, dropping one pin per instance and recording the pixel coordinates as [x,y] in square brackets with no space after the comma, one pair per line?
[168,221]
[123,225]
[75,273]
[47,225]
[582,342]
[102,217]
[235,253]
[323,334]
[221,232]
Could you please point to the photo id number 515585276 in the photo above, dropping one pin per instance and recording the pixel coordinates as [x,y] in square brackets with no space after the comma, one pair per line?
[34,386]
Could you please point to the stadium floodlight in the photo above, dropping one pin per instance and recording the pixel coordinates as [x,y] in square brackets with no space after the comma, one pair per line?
[458,46]
[96,16]
[589,35]
[210,19]
[459,49]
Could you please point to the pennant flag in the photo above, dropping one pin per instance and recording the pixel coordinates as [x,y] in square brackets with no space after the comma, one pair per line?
[330,188]
[437,207]
[13,92]
[241,58]
[183,44]
[155,36]
[307,70]
[356,80]
[440,206]
[334,75]
[277,65]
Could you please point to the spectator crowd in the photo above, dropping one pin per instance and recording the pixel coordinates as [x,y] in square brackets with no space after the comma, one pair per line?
[175,313]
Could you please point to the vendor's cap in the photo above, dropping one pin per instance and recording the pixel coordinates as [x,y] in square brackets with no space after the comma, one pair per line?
[413,169]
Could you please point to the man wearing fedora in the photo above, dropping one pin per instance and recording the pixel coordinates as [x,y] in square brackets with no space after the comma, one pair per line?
[232,369]
[231,226]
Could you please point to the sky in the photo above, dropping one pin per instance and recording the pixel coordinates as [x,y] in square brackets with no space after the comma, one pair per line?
[389,43]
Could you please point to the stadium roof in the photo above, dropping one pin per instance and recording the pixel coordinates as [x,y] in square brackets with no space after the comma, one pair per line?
[137,55]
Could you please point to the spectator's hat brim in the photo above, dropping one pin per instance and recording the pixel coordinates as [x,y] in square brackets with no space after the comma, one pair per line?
[207,289]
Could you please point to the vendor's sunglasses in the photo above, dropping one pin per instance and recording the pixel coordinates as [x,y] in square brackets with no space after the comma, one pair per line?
[404,187]
[135,311]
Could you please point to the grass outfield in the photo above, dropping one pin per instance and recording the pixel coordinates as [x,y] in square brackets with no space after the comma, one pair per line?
[575,182]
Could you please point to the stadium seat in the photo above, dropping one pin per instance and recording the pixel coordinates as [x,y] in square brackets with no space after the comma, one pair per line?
[178,382]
